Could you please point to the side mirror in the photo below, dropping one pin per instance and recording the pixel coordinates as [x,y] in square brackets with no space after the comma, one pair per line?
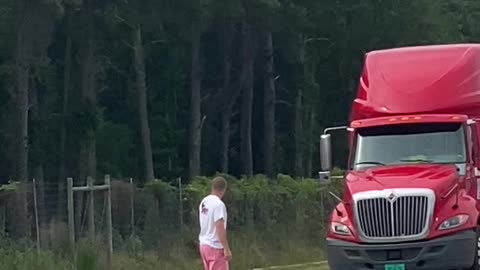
[325,158]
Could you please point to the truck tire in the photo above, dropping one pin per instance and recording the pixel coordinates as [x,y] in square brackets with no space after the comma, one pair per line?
[476,259]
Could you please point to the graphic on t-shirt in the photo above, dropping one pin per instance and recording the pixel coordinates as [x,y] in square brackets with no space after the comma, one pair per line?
[204,209]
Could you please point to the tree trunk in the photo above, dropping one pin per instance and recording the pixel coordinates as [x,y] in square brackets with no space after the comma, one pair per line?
[229,99]
[21,221]
[88,73]
[195,103]
[247,102]
[311,144]
[225,142]
[226,115]
[139,62]
[22,83]
[269,109]
[63,130]
[87,156]
[22,101]
[298,135]
[37,115]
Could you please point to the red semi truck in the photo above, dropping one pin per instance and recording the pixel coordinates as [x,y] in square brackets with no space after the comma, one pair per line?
[411,190]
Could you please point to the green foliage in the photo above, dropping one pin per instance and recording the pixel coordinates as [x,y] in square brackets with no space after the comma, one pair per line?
[159,189]
[135,246]
[21,255]
[261,212]
[29,260]
[254,203]
[10,187]
[280,221]
[114,154]
[337,172]
[86,258]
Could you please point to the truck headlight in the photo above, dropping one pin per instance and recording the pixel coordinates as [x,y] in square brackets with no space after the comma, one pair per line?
[340,228]
[453,222]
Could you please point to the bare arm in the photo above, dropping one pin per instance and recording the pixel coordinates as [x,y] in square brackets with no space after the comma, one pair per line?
[222,233]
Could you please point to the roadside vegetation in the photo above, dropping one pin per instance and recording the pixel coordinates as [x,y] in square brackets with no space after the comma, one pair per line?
[271,222]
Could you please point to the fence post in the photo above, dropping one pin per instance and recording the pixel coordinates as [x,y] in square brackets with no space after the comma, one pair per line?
[180,195]
[35,206]
[91,210]
[2,218]
[71,224]
[132,207]
[108,195]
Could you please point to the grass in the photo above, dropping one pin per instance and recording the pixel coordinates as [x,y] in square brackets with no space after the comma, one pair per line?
[308,268]
[313,268]
[305,266]
[250,250]
[323,267]
[92,260]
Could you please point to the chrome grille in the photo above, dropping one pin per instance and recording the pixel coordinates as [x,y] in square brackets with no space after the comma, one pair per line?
[392,215]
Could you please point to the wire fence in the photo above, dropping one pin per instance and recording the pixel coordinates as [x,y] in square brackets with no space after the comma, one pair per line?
[266,219]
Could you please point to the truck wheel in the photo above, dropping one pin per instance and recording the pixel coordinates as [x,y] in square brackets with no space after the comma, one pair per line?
[476,259]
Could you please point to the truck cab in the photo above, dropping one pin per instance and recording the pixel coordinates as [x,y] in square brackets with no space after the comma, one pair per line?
[411,188]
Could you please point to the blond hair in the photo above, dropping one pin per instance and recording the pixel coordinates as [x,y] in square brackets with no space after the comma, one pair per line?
[219,184]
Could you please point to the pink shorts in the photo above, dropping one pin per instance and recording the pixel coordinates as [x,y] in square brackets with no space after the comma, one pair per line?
[213,259]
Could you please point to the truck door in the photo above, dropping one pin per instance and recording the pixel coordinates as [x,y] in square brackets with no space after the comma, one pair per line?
[475,140]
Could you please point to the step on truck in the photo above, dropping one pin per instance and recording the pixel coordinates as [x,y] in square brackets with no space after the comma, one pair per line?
[411,188]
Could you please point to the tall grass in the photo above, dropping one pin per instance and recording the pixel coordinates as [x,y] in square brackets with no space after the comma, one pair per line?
[247,255]
[250,250]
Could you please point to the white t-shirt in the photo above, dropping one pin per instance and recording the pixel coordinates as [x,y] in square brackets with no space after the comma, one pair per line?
[211,209]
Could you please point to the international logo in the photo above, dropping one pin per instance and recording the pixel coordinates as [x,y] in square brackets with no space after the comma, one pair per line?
[391,197]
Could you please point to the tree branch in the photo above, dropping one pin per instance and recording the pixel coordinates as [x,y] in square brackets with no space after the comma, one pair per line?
[157,41]
[124,21]
[128,45]
[203,122]
[108,63]
[288,104]
[315,39]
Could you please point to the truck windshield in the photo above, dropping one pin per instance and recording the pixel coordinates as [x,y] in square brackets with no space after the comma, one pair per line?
[410,143]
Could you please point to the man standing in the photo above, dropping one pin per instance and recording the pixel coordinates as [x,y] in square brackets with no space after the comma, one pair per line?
[214,248]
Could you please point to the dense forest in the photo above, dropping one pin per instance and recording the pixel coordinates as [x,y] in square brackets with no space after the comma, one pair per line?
[161,89]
